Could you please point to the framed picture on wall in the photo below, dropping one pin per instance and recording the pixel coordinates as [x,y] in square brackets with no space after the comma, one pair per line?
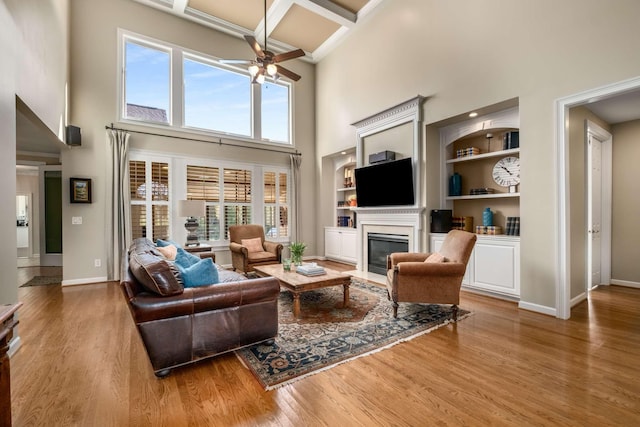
[80,190]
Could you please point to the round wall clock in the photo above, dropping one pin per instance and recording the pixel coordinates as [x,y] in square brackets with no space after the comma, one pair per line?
[506,172]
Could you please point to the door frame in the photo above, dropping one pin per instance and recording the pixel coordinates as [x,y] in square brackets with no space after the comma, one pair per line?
[602,136]
[563,210]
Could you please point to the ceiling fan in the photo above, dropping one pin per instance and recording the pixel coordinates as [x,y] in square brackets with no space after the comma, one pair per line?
[266,63]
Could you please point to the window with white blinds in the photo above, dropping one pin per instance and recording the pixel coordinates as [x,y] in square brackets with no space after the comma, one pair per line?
[237,198]
[276,207]
[150,204]
[203,183]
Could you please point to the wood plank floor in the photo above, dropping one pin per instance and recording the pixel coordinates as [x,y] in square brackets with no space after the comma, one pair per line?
[82,364]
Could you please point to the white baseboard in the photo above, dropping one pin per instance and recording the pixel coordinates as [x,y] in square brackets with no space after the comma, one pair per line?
[14,345]
[551,311]
[85,281]
[625,283]
[578,299]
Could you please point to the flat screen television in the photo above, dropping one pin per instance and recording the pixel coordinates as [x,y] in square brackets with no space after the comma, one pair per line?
[385,184]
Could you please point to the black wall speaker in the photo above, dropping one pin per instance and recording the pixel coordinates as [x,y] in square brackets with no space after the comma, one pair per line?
[441,220]
[73,136]
[383,156]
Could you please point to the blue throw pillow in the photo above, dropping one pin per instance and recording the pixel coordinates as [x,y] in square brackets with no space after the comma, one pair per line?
[186,259]
[202,273]
[162,243]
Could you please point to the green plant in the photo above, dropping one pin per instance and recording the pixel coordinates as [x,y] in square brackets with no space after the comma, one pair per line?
[297,249]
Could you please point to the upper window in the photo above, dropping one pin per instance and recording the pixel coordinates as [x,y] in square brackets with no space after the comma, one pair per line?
[166,84]
[216,99]
[147,83]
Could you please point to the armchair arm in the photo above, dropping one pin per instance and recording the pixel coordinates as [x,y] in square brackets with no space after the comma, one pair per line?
[209,254]
[238,248]
[398,257]
[273,247]
[440,269]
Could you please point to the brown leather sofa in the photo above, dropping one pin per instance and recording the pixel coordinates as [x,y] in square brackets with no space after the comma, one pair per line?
[181,325]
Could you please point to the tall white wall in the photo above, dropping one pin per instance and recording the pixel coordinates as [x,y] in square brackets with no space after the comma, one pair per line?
[94,25]
[465,54]
[33,41]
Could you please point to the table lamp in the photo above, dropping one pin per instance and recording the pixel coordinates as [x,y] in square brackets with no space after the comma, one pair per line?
[192,209]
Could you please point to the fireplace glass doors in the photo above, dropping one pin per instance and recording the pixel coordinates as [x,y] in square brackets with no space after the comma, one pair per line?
[381,245]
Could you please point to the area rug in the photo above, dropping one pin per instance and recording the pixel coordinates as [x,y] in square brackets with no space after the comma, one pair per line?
[327,334]
[43,281]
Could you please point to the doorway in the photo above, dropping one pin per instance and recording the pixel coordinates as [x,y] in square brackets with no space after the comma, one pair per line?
[599,187]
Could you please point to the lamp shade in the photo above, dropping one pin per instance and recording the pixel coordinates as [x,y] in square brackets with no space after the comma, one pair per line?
[191,208]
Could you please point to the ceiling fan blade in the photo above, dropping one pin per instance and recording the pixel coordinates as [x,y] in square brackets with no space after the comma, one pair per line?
[289,74]
[289,55]
[255,46]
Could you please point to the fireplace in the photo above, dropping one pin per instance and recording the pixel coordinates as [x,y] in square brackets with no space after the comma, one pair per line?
[379,246]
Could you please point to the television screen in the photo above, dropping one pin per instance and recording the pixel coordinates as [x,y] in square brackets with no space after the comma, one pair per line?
[385,184]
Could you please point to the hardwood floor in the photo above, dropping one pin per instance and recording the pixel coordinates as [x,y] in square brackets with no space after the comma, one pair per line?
[82,364]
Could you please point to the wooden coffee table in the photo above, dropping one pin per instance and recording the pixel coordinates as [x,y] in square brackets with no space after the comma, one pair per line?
[299,283]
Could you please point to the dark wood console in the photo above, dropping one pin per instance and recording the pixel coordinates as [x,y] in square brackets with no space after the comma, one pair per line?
[7,323]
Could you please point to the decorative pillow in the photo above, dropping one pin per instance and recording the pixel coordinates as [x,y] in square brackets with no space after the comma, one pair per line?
[162,243]
[169,252]
[202,273]
[252,245]
[435,258]
[185,259]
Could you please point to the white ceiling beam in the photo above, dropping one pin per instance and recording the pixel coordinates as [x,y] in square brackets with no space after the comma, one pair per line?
[180,5]
[330,11]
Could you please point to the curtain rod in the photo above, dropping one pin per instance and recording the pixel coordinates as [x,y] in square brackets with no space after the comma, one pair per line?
[219,142]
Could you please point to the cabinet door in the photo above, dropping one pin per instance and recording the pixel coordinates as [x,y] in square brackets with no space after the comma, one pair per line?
[495,267]
[349,246]
[332,243]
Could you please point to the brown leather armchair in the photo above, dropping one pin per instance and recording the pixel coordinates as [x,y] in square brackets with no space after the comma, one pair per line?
[411,279]
[242,258]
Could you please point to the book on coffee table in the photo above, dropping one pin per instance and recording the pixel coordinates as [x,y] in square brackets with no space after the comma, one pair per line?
[311,269]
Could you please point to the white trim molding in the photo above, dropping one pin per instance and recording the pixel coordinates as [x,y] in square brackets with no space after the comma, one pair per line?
[561,168]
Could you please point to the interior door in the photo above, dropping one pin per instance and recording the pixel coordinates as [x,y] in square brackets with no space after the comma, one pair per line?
[51,215]
[595,211]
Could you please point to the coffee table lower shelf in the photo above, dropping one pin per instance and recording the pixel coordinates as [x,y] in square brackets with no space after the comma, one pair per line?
[298,283]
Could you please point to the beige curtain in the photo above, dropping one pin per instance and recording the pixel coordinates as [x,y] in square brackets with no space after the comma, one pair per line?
[296,160]
[118,201]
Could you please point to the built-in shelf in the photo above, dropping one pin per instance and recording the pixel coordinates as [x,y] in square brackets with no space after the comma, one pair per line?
[484,155]
[484,196]
[346,189]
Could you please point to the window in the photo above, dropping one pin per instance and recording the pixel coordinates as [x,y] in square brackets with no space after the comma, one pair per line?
[216,99]
[203,183]
[147,83]
[275,112]
[276,208]
[237,198]
[160,78]
[150,204]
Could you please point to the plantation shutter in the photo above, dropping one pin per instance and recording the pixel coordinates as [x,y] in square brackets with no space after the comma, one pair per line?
[203,183]
[237,198]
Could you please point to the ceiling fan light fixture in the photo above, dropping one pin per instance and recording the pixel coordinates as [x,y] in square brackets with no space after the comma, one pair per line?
[272,70]
[253,70]
[260,79]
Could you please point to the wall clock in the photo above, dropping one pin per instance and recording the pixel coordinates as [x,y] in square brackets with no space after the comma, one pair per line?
[506,173]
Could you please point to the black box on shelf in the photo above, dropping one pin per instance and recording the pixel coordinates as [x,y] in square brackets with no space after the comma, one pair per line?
[441,220]
[383,156]
[511,140]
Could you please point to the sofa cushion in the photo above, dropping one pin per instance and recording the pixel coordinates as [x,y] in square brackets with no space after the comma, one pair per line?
[185,259]
[202,273]
[154,273]
[252,245]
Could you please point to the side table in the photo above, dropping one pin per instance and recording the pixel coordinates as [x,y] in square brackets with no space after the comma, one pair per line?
[7,323]
[202,250]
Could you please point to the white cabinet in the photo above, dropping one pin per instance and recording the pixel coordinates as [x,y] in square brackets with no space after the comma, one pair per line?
[494,265]
[340,244]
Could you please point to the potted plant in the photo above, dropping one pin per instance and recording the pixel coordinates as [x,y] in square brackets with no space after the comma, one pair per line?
[297,249]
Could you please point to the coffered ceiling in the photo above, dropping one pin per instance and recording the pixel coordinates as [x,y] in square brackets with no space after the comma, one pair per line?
[316,26]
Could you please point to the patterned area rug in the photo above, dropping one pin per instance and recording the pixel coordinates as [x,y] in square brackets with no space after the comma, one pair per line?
[328,335]
[43,281]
